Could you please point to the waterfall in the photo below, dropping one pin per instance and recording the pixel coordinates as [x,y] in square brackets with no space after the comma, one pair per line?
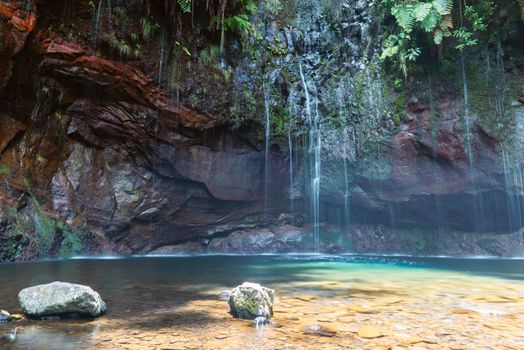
[477,202]
[513,177]
[290,145]
[345,155]
[465,91]
[162,58]
[109,13]
[434,149]
[267,174]
[346,180]
[315,145]
[291,175]
[222,46]
[97,24]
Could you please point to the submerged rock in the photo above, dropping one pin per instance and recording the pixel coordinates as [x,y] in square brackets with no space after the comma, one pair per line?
[5,316]
[369,332]
[251,300]
[320,330]
[59,298]
[224,295]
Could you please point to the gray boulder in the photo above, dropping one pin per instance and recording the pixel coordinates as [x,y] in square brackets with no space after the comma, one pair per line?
[251,300]
[60,298]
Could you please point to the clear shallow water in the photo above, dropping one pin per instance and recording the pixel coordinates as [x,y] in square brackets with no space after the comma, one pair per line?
[170,302]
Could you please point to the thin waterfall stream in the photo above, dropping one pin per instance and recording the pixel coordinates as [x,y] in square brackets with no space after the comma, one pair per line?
[345,156]
[267,169]
[315,145]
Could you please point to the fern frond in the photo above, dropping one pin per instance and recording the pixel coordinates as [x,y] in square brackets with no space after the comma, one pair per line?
[446,24]
[430,22]
[422,10]
[404,16]
[185,5]
[443,7]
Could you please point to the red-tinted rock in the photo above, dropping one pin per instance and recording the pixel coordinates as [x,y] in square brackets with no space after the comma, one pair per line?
[73,65]
[15,26]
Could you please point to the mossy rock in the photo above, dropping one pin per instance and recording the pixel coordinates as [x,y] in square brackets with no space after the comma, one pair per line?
[251,300]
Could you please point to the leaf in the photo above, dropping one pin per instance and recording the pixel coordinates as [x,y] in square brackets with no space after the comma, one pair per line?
[413,53]
[446,23]
[443,7]
[404,16]
[389,52]
[430,22]
[185,5]
[422,10]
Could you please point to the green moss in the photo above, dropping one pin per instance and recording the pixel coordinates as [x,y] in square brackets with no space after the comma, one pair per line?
[491,93]
[9,243]
[51,236]
[5,170]
[400,109]
[71,241]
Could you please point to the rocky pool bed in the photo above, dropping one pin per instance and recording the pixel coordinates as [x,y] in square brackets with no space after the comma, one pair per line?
[319,303]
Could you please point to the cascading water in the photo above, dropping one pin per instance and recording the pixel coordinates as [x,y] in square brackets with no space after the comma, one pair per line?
[345,155]
[109,13]
[267,170]
[478,207]
[290,146]
[434,130]
[96,29]
[162,57]
[514,181]
[315,145]
[223,63]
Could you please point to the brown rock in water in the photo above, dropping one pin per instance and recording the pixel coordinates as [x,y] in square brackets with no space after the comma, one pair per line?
[363,310]
[369,332]
[320,330]
[468,312]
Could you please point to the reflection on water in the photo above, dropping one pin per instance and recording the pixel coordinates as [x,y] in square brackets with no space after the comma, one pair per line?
[170,303]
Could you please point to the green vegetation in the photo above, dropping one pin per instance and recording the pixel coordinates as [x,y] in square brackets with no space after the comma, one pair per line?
[5,170]
[125,50]
[149,27]
[71,242]
[51,236]
[422,25]
[209,55]
[40,160]
[185,5]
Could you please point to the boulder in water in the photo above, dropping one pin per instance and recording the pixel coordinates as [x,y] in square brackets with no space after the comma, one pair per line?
[251,300]
[59,298]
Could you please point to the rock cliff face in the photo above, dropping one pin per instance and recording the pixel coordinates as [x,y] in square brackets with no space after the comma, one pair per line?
[99,155]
